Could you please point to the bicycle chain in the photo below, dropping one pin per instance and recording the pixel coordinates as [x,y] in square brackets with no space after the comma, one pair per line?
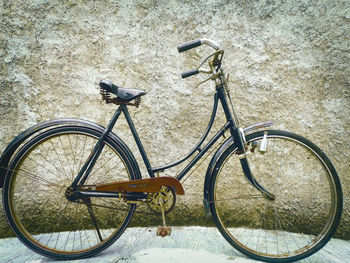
[119,209]
[150,198]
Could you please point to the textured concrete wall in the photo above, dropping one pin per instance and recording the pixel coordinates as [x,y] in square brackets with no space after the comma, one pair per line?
[288,62]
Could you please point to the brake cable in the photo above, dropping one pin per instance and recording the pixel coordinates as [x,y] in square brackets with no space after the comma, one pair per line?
[216,63]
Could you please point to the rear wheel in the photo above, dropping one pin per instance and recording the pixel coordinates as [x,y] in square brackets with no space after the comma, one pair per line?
[307,205]
[35,200]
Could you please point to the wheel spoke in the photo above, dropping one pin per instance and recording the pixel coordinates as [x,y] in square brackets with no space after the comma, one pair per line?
[239,197]
[48,160]
[59,159]
[34,177]
[68,159]
[82,155]
[73,152]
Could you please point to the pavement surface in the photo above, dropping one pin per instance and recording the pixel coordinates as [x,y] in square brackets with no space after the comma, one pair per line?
[186,244]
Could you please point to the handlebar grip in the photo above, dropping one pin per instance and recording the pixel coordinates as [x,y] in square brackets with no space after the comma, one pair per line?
[189,45]
[189,73]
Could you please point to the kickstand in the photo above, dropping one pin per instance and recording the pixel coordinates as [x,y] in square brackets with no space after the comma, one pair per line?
[93,218]
[163,230]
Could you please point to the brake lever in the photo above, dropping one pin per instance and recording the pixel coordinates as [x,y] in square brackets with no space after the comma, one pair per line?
[210,78]
[215,63]
[217,53]
[200,83]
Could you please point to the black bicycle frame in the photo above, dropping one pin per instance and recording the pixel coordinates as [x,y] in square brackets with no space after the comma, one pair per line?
[230,125]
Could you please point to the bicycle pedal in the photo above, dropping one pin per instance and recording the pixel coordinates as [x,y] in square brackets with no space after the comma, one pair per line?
[164,231]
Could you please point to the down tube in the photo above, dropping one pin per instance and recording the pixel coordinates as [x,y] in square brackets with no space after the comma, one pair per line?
[203,151]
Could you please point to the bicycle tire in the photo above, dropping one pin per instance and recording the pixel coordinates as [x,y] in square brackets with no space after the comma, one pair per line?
[308,198]
[51,225]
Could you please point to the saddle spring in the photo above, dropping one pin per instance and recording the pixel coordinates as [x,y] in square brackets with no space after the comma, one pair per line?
[106,96]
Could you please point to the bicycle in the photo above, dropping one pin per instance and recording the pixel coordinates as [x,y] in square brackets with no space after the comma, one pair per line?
[71,187]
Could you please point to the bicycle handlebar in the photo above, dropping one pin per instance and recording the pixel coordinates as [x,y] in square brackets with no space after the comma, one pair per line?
[196,43]
[189,73]
[189,45]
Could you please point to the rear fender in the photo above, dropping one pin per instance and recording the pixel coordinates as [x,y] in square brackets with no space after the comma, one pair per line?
[24,136]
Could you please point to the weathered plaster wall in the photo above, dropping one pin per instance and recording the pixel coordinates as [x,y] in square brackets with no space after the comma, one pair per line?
[288,62]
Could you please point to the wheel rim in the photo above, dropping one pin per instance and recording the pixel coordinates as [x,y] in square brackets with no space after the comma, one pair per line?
[52,224]
[280,228]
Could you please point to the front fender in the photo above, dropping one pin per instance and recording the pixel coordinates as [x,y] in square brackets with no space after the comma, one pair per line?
[220,151]
[210,170]
[22,137]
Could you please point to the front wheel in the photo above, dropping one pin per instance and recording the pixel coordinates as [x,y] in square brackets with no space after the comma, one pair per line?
[306,209]
[35,200]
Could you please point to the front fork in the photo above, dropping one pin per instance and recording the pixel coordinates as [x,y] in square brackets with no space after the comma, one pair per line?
[238,135]
[242,156]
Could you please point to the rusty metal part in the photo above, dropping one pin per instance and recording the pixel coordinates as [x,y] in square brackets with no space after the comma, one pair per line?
[149,185]
[163,231]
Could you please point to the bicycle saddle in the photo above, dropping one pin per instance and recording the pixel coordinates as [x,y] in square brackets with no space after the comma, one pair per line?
[122,93]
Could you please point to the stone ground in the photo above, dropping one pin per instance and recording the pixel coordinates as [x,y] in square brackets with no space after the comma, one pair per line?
[186,244]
